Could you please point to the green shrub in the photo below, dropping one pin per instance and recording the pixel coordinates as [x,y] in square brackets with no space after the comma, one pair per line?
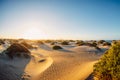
[65,43]
[53,43]
[80,43]
[57,47]
[91,44]
[17,50]
[96,47]
[106,44]
[101,41]
[108,68]
[27,45]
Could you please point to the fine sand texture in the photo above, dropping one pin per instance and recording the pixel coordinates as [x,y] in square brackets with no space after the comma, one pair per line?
[69,63]
[75,63]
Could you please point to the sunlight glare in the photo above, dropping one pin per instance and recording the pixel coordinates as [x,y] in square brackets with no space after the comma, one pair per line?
[33,33]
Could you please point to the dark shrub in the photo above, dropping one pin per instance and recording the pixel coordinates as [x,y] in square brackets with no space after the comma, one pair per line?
[80,43]
[27,45]
[57,47]
[2,42]
[96,47]
[108,68]
[17,50]
[90,44]
[101,41]
[106,44]
[94,44]
[53,43]
[65,43]
[71,41]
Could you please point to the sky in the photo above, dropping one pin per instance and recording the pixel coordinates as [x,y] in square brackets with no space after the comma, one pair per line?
[60,19]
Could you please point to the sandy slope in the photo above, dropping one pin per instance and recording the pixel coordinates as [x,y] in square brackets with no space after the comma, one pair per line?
[77,64]
[37,65]
[71,63]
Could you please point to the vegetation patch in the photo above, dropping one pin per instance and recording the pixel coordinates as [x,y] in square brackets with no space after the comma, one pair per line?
[65,43]
[108,68]
[57,47]
[17,50]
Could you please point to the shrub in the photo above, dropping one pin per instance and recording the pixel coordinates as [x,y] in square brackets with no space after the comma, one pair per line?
[27,45]
[57,47]
[91,44]
[65,43]
[71,41]
[106,44]
[17,50]
[94,44]
[96,47]
[80,43]
[53,43]
[108,68]
[101,41]
[2,42]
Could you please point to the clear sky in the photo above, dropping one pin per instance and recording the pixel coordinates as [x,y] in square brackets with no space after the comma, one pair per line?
[60,19]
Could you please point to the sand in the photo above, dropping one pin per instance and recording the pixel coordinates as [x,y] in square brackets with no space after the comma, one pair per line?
[76,64]
[70,63]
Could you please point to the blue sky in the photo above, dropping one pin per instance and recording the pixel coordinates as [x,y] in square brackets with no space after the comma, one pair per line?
[60,19]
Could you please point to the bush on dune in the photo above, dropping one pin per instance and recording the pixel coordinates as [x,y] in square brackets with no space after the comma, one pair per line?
[108,68]
[2,42]
[53,43]
[101,41]
[96,47]
[91,44]
[17,50]
[80,43]
[65,43]
[106,44]
[57,47]
[26,45]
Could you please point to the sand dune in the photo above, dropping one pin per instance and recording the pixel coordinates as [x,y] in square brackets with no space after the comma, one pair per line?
[74,65]
[36,66]
[71,63]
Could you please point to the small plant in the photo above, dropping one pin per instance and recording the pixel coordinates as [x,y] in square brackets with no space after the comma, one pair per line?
[90,44]
[53,43]
[101,41]
[80,43]
[65,43]
[57,47]
[106,44]
[96,47]
[27,45]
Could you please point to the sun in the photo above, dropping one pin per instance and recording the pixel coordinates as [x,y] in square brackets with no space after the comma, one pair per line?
[33,33]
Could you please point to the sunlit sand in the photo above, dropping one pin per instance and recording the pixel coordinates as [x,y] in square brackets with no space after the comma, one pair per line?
[70,63]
